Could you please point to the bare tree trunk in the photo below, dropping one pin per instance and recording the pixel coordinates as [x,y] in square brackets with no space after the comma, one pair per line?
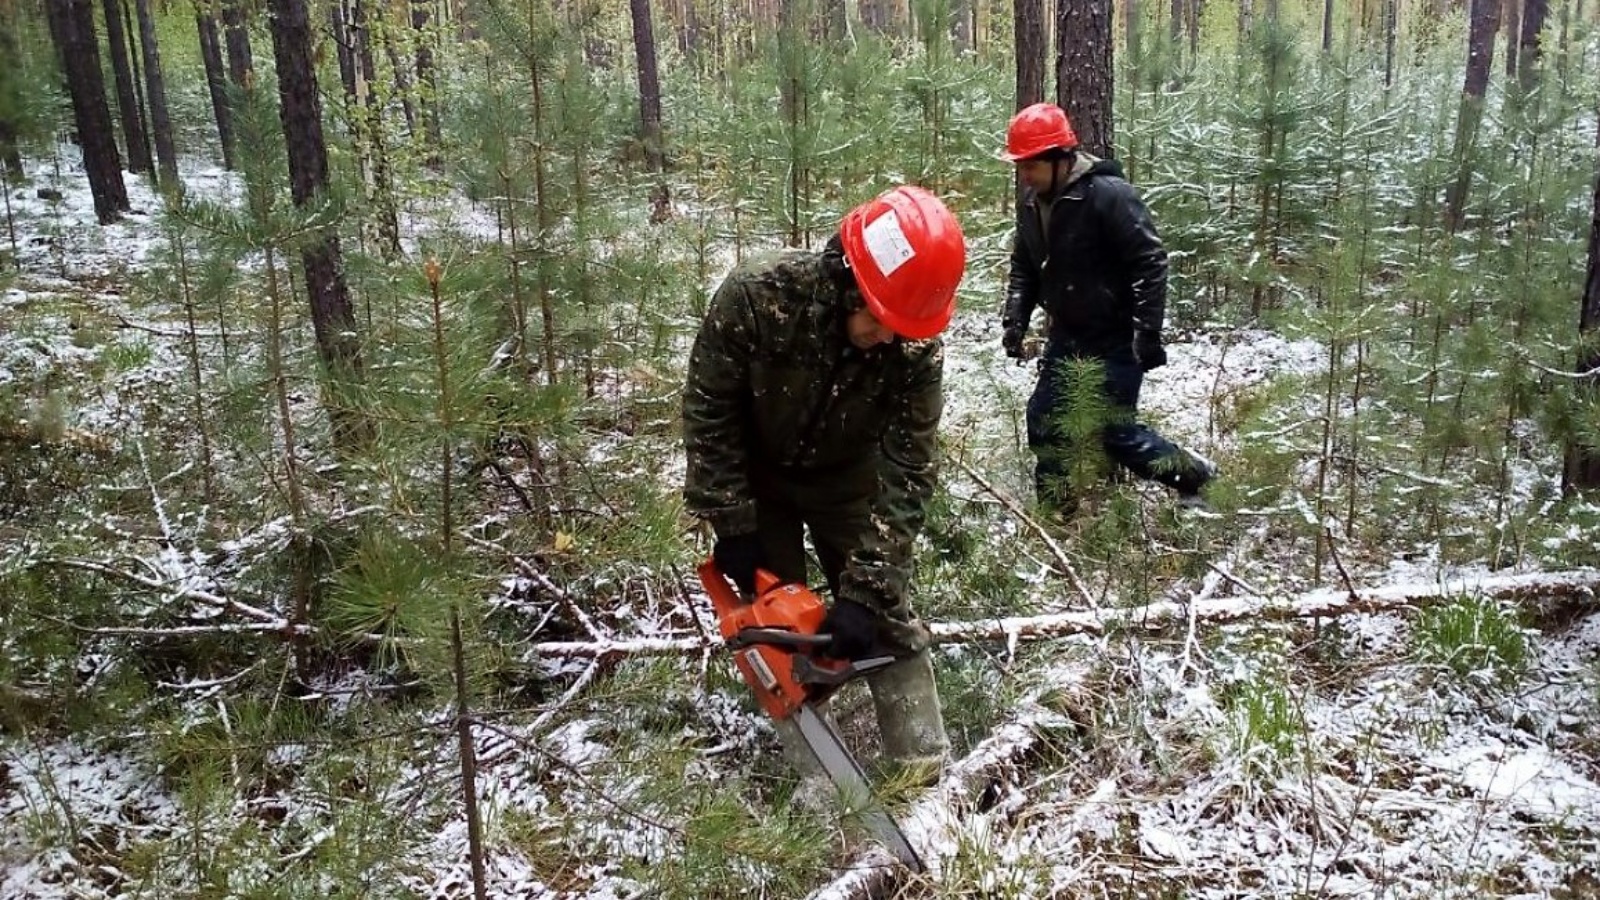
[10,153]
[332,314]
[133,132]
[1511,18]
[1031,36]
[421,17]
[835,21]
[72,29]
[385,211]
[216,79]
[236,30]
[1084,77]
[1327,26]
[1582,469]
[1534,15]
[1480,60]
[644,46]
[1391,28]
[402,82]
[155,88]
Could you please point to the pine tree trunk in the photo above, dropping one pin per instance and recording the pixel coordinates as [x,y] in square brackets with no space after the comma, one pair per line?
[332,314]
[385,211]
[1327,26]
[1391,28]
[1510,17]
[155,87]
[835,21]
[1475,85]
[216,79]
[72,29]
[236,31]
[1534,15]
[644,46]
[10,153]
[878,15]
[1582,469]
[133,133]
[421,16]
[402,82]
[339,29]
[1084,76]
[1031,36]
[1193,22]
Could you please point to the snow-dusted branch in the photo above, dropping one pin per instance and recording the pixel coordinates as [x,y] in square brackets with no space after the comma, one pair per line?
[178,590]
[1062,562]
[1324,603]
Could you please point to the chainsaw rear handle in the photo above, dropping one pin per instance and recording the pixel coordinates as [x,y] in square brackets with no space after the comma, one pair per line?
[779,637]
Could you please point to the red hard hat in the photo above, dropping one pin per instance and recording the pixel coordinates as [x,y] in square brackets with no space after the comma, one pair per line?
[1037,128]
[907,253]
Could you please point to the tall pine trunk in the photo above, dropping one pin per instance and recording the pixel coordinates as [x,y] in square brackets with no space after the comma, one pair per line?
[155,84]
[133,133]
[1030,34]
[1475,85]
[1534,14]
[644,45]
[72,29]
[1582,469]
[216,79]
[332,314]
[427,83]
[1084,78]
[236,33]
[1510,18]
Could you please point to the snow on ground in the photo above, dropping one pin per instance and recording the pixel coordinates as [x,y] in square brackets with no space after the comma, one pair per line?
[1403,783]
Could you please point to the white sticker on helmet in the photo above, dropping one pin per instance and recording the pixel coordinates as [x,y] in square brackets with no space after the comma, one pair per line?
[887,243]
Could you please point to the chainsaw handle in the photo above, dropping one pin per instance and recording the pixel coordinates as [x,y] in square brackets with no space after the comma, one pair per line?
[779,637]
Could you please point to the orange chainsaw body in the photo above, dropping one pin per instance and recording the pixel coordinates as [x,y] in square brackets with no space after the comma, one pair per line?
[770,667]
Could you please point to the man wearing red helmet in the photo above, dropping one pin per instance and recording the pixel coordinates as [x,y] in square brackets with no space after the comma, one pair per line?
[812,406]
[1087,252]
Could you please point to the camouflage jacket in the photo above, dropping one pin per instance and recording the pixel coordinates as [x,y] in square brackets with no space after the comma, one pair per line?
[776,387]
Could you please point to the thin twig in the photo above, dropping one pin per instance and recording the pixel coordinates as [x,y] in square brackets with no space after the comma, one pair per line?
[1063,564]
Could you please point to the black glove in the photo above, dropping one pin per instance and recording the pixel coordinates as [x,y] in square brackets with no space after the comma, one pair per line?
[854,627]
[1148,351]
[1012,340]
[738,556]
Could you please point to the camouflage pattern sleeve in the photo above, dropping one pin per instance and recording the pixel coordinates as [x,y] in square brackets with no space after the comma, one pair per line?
[715,403]
[879,572]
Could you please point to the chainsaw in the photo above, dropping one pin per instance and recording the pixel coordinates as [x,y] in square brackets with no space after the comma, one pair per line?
[784,660]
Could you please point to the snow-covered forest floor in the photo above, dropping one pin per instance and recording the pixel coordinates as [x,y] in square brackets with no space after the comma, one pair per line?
[1445,748]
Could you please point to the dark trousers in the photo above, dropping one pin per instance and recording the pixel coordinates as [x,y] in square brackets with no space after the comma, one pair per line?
[836,510]
[1083,401]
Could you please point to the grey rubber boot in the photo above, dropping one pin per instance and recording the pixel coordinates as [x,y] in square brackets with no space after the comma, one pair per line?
[910,719]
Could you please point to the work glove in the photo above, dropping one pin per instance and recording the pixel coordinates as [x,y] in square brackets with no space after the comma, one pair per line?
[854,627]
[738,556]
[1012,340]
[1148,351]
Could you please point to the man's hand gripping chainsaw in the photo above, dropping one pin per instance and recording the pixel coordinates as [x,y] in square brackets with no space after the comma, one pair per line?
[784,660]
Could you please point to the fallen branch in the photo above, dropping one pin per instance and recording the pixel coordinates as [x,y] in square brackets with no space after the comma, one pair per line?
[1154,617]
[1063,564]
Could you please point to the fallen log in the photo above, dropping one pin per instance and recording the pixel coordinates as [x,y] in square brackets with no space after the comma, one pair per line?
[1580,585]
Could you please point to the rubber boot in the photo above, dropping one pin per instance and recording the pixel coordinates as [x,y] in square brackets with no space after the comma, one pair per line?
[910,719]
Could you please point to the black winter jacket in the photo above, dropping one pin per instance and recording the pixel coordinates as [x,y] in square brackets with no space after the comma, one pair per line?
[1097,267]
